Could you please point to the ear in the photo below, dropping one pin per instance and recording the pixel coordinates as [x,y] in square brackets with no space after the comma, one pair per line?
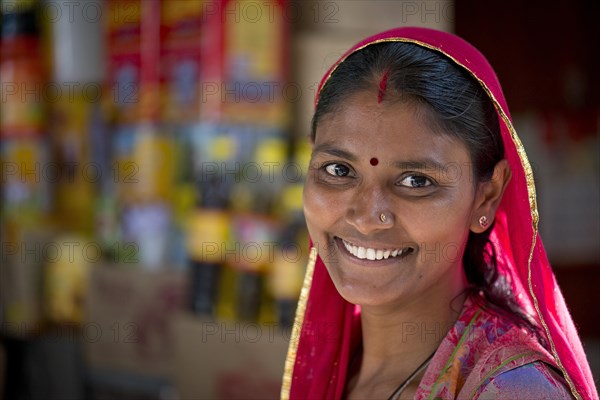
[488,197]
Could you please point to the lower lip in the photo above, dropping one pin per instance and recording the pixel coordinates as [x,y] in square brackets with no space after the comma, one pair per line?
[363,261]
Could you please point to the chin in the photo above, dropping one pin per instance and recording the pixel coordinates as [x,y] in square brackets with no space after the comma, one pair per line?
[365,292]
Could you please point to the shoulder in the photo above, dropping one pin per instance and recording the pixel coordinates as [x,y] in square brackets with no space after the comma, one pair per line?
[509,362]
[536,380]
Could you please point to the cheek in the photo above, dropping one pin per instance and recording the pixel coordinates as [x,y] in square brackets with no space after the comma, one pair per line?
[324,210]
[317,207]
[321,212]
[443,222]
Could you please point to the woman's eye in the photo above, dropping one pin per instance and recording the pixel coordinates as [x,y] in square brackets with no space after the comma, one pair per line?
[415,181]
[337,170]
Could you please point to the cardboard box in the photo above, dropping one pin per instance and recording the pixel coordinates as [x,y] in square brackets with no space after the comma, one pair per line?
[181,58]
[245,66]
[129,319]
[315,54]
[133,59]
[329,28]
[228,360]
[371,15]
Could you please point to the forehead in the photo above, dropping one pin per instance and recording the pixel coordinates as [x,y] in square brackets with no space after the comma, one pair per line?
[400,128]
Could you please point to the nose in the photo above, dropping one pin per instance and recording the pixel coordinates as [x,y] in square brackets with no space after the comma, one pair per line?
[370,210]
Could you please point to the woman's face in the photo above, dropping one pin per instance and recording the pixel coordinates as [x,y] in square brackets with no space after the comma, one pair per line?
[371,158]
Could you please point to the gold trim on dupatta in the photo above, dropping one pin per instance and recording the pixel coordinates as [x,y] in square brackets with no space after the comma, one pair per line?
[291,357]
[290,360]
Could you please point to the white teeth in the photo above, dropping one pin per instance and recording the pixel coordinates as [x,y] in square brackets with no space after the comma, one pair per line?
[361,253]
[369,253]
[348,246]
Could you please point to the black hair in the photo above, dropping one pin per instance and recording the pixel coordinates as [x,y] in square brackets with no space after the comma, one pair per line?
[457,105]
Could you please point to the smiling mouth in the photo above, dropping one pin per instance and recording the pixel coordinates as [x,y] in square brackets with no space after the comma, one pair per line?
[372,254]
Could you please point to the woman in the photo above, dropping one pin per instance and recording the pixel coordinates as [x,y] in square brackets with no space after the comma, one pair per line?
[427,277]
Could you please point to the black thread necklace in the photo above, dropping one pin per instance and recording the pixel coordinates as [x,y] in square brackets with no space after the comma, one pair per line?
[411,377]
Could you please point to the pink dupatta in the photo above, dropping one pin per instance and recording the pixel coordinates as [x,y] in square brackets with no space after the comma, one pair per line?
[327,328]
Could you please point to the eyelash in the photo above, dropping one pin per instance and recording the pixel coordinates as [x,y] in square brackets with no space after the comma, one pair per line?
[428,181]
[327,166]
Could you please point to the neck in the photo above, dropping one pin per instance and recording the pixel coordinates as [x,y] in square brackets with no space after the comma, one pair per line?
[398,339]
[414,330]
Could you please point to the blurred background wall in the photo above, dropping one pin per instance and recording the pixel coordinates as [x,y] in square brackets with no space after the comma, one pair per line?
[152,153]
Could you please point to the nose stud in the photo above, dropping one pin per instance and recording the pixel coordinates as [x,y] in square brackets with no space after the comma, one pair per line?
[382,217]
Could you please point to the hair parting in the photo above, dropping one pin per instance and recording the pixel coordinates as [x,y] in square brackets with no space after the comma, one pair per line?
[383,86]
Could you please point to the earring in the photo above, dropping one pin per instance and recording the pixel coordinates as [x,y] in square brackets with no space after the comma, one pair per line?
[483,221]
[382,217]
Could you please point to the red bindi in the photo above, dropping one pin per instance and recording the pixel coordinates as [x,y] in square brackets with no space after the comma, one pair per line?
[374,161]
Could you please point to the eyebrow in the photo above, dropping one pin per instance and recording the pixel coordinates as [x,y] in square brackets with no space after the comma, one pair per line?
[421,164]
[334,151]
